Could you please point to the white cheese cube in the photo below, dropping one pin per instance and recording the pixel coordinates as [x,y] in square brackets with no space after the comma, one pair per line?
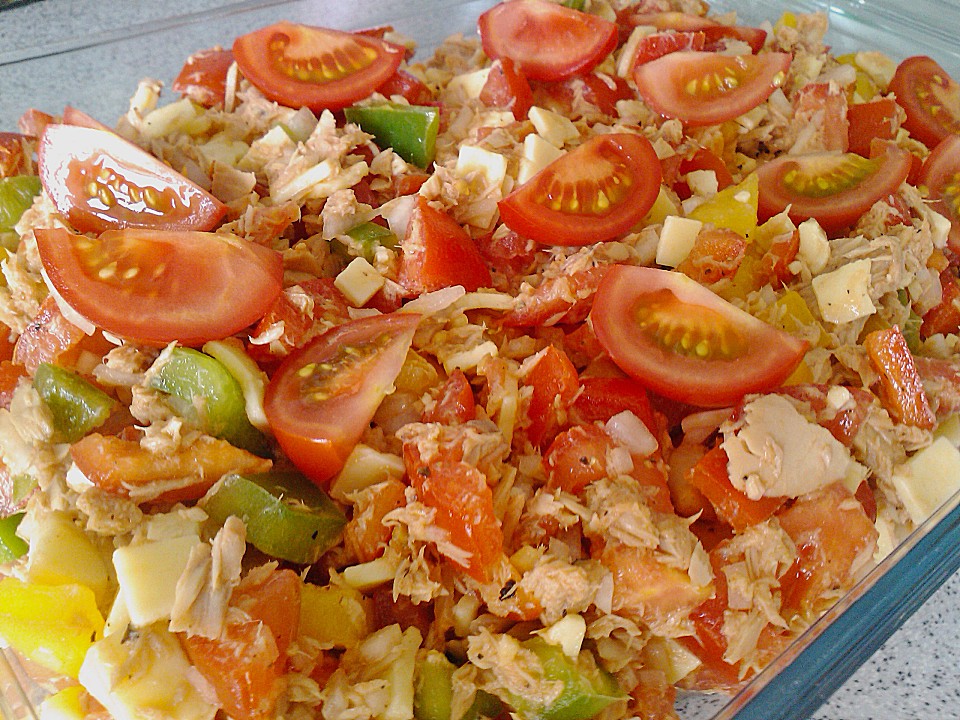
[704,183]
[555,129]
[928,478]
[814,248]
[844,294]
[676,239]
[537,154]
[148,575]
[492,166]
[359,281]
[568,633]
[469,84]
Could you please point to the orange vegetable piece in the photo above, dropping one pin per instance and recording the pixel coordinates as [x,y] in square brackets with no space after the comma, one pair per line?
[901,390]
[710,477]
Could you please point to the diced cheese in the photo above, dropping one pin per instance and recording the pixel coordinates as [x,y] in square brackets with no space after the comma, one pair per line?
[555,129]
[364,467]
[148,575]
[369,575]
[61,553]
[181,115]
[662,207]
[950,429]
[844,294]
[537,154]
[144,675]
[359,281]
[939,228]
[814,248]
[671,658]
[473,159]
[928,478]
[469,84]
[676,239]
[704,183]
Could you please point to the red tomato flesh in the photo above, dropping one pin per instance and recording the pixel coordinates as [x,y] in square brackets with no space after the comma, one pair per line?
[320,68]
[941,175]
[203,77]
[684,342]
[547,41]
[143,284]
[596,192]
[99,182]
[930,97]
[705,88]
[901,389]
[323,396]
[878,119]
[836,189]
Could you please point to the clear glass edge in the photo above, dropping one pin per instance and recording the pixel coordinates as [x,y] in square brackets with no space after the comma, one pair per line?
[798,681]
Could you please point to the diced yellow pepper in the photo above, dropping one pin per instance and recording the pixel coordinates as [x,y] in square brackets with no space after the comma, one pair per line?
[334,615]
[794,315]
[67,704]
[662,207]
[734,207]
[52,625]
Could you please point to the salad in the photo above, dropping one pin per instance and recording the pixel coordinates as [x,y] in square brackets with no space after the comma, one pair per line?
[589,360]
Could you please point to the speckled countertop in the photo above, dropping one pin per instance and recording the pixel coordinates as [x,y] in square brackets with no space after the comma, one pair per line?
[915,675]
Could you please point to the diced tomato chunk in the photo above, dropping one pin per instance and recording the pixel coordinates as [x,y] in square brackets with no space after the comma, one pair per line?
[454,403]
[554,381]
[365,534]
[901,389]
[876,119]
[711,478]
[413,90]
[50,338]
[10,375]
[945,317]
[601,398]
[577,457]
[507,88]
[716,254]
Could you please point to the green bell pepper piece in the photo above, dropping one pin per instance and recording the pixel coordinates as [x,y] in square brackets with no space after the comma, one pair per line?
[16,195]
[587,689]
[77,405]
[433,692]
[484,705]
[202,391]
[12,546]
[287,516]
[411,130]
[369,236]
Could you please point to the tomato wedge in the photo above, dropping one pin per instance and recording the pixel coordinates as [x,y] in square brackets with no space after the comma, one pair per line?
[320,68]
[930,97]
[941,176]
[834,188]
[705,88]
[595,192]
[154,286]
[203,77]
[547,41]
[323,397]
[680,340]
[99,181]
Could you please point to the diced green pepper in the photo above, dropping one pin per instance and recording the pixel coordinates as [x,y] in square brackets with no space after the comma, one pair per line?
[12,546]
[16,195]
[370,236]
[202,391]
[77,405]
[574,4]
[587,689]
[287,516]
[411,130]
[484,705]
[433,693]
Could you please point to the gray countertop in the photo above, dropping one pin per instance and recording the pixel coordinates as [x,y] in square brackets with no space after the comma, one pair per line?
[913,676]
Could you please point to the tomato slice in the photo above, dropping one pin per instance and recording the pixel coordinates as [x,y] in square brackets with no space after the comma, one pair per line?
[593,193]
[203,77]
[506,87]
[685,343]
[547,41]
[714,33]
[99,181]
[929,96]
[705,88]
[941,176]
[323,397]
[320,68]
[437,252]
[834,188]
[154,286]
[876,119]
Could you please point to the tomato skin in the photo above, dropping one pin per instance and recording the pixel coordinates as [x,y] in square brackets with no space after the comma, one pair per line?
[150,294]
[545,40]
[203,77]
[664,84]
[857,183]
[877,119]
[507,87]
[642,316]
[437,252]
[271,58]
[141,191]
[623,166]
[318,419]
[702,159]
[928,95]
[941,175]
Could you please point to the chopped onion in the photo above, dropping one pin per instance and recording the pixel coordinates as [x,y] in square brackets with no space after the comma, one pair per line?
[437,301]
[397,214]
[71,315]
[699,426]
[629,430]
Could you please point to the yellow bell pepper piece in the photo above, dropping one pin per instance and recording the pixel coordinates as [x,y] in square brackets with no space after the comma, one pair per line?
[734,207]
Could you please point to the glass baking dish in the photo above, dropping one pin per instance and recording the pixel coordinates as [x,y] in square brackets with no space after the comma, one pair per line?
[98,72]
